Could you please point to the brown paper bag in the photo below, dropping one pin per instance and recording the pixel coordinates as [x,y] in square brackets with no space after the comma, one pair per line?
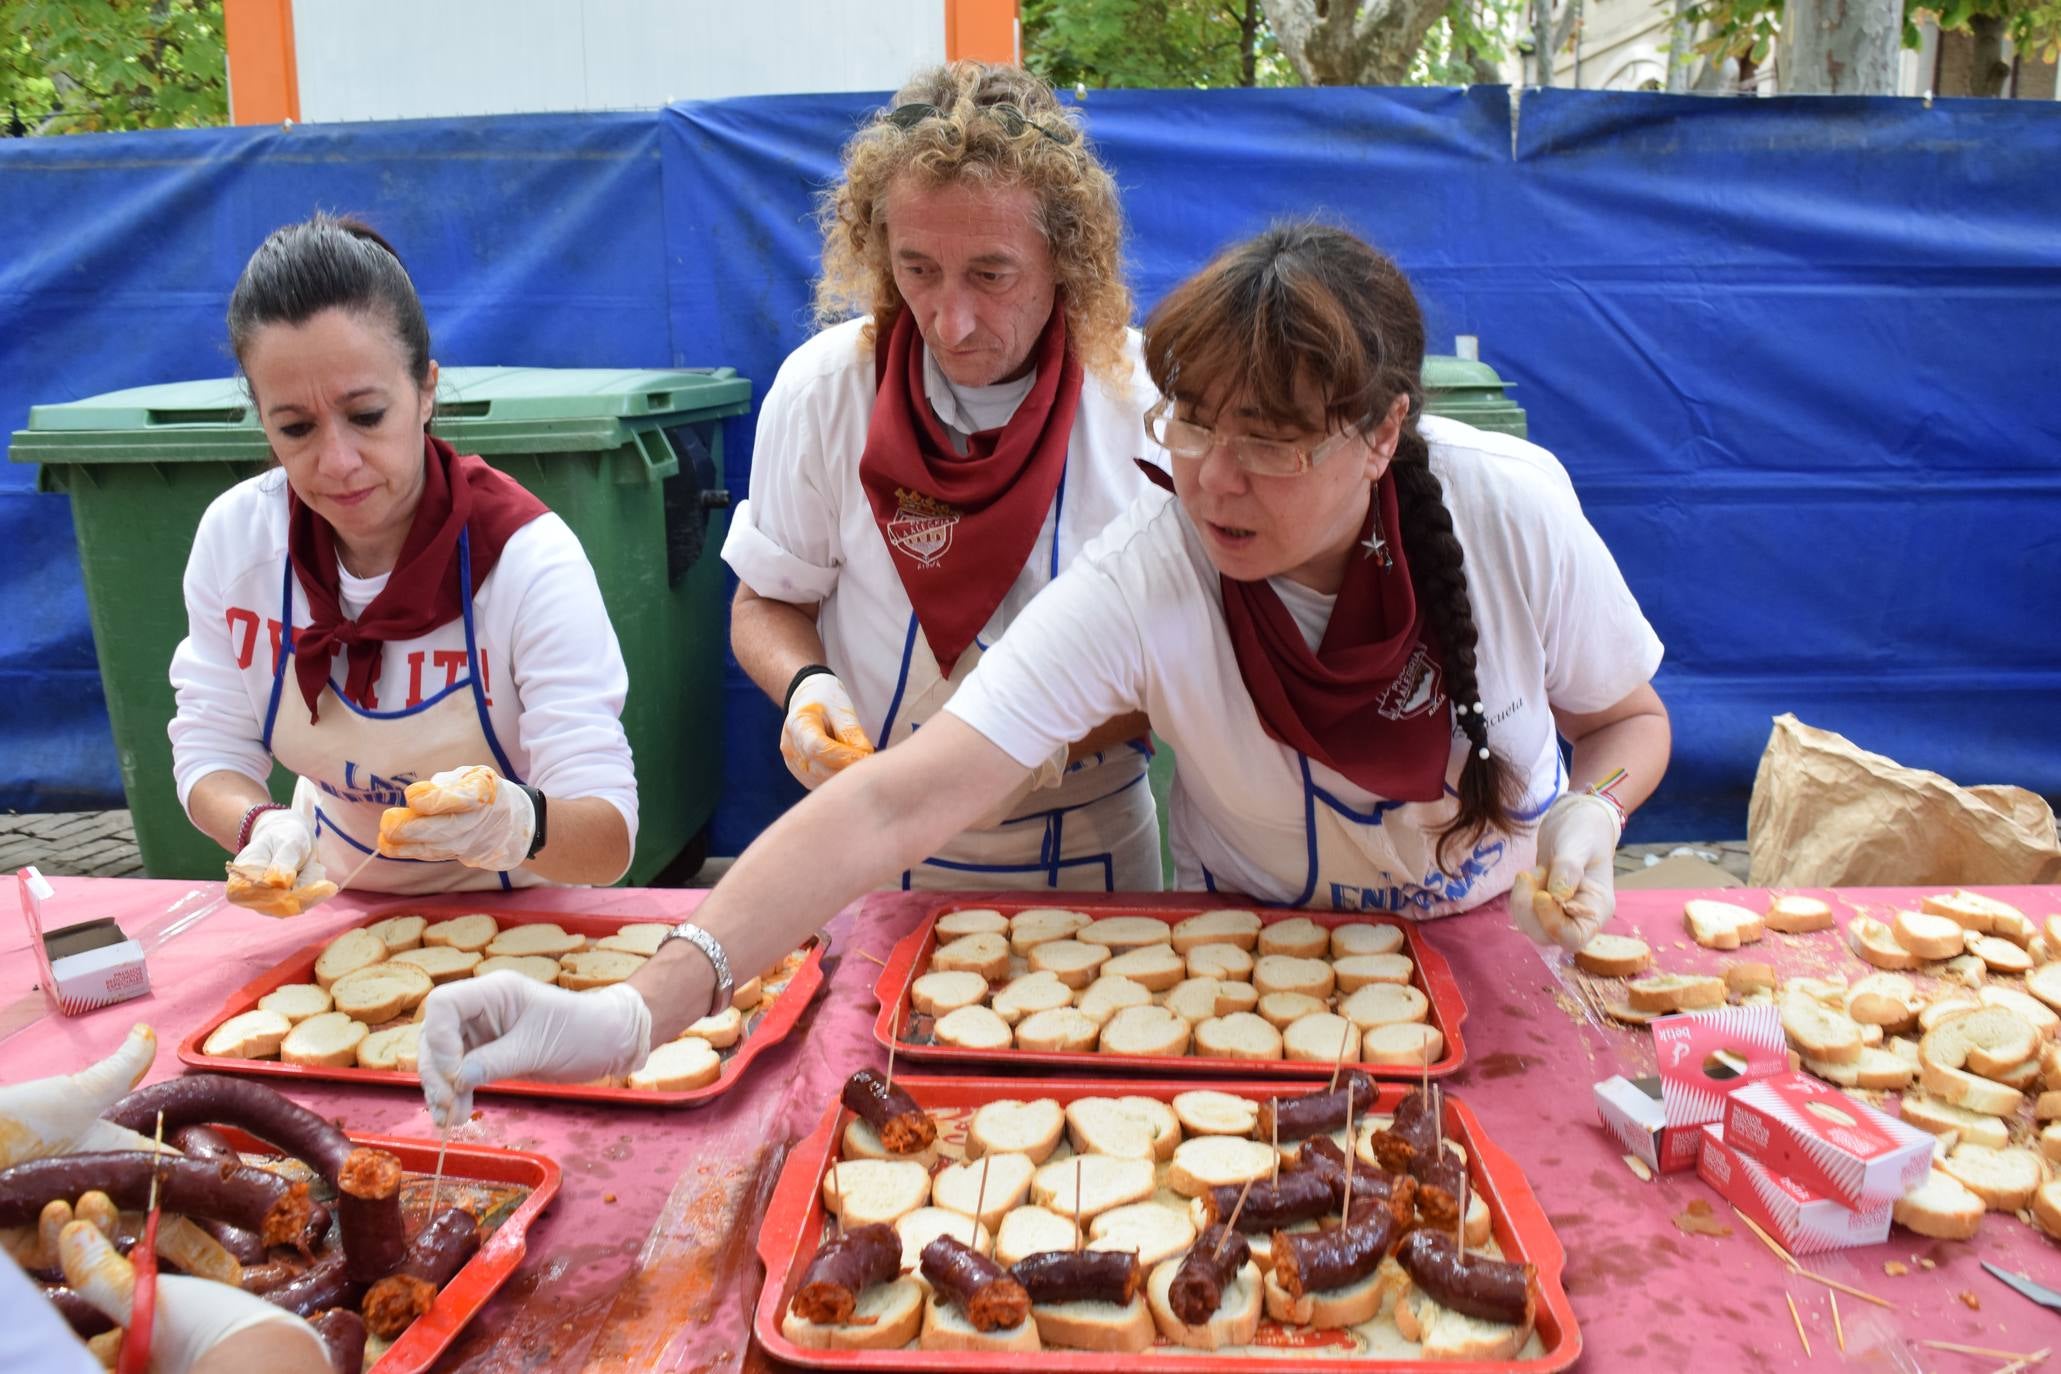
[1826,813]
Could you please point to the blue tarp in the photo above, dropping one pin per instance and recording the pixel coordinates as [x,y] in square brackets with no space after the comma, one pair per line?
[1799,355]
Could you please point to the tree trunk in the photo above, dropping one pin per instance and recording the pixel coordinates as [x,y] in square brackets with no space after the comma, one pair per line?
[1351,42]
[1844,47]
[1542,42]
[1248,44]
[1990,70]
[1681,54]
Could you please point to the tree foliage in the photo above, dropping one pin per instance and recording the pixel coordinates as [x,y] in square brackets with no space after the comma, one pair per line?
[1151,43]
[77,66]
[1750,29]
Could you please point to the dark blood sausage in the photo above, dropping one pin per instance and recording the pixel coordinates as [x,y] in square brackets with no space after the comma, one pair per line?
[205,1099]
[848,1264]
[263,1278]
[1416,1123]
[373,1232]
[1323,1158]
[1080,1276]
[1198,1286]
[1297,1118]
[1299,1195]
[254,1199]
[903,1127]
[1491,1289]
[980,1288]
[1319,1261]
[344,1334]
[368,1213]
[83,1317]
[327,1283]
[434,1257]
[205,1142]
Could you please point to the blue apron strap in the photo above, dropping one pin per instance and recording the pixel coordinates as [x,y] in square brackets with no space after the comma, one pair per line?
[479,677]
[285,649]
[894,706]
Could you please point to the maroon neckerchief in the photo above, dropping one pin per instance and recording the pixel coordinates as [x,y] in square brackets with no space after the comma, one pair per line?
[960,529]
[422,592]
[1369,702]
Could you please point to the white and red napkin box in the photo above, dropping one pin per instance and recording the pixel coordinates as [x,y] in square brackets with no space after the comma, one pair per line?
[1703,1058]
[1811,1132]
[83,966]
[1806,1223]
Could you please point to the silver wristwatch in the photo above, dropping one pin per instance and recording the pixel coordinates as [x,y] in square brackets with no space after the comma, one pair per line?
[706,943]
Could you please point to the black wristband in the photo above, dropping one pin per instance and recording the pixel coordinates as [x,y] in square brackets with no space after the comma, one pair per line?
[787,702]
[537,805]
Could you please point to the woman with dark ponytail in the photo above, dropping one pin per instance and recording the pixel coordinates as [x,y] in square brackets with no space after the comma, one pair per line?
[404,628]
[1364,632]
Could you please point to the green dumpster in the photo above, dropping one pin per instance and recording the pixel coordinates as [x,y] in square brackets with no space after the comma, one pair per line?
[631,459]
[1458,388]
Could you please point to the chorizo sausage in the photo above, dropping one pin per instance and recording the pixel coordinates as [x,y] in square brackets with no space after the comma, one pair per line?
[903,1127]
[434,1257]
[327,1283]
[344,1334]
[205,1142]
[1490,1289]
[1198,1285]
[1319,1261]
[254,1199]
[1080,1276]
[849,1263]
[1297,1118]
[1299,1195]
[204,1099]
[368,1214]
[980,1288]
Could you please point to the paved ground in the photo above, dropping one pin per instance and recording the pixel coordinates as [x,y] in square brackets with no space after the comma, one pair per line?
[102,844]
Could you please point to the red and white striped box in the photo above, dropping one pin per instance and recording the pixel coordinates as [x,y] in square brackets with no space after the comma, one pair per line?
[1813,1133]
[1704,1056]
[1805,1222]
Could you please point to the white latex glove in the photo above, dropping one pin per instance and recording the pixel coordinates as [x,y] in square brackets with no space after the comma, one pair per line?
[277,873]
[822,736]
[472,814]
[1577,848]
[479,1030]
[194,1317]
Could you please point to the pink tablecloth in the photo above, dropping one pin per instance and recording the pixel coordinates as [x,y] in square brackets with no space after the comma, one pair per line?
[663,1275]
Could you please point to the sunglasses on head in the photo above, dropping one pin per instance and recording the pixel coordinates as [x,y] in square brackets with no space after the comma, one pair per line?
[1012,120]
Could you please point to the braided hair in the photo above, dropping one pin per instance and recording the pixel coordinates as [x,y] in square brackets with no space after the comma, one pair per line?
[1310,306]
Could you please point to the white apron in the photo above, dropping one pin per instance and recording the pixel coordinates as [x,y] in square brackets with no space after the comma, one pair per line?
[353,764]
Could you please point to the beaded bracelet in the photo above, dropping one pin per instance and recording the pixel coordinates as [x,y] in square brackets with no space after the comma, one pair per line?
[250,819]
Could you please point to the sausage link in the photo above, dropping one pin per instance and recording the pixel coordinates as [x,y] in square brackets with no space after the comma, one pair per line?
[433,1259]
[205,1099]
[1079,1276]
[344,1334]
[1490,1289]
[980,1288]
[1198,1285]
[1319,1261]
[254,1199]
[327,1283]
[1297,1118]
[903,1127]
[849,1263]
[368,1212]
[1299,1195]
[205,1142]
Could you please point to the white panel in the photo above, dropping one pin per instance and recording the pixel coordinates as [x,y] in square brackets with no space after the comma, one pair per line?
[393,59]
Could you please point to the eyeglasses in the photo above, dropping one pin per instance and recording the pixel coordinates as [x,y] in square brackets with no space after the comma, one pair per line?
[1013,120]
[1267,457]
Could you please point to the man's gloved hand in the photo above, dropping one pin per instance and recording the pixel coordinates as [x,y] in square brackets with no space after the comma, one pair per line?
[822,736]
[1577,848]
[471,814]
[195,1318]
[480,1030]
[277,874]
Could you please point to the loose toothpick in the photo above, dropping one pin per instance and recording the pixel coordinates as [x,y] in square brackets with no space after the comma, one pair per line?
[980,1200]
[1768,1240]
[1838,1331]
[869,954]
[1974,1350]
[2024,1362]
[1813,1275]
[1797,1317]
[1232,1221]
[1080,1239]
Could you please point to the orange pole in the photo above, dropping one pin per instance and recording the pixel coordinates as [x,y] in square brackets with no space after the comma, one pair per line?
[984,30]
[264,83]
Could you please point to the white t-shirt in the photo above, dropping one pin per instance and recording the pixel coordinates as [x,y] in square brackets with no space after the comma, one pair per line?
[555,680]
[807,534]
[1137,623]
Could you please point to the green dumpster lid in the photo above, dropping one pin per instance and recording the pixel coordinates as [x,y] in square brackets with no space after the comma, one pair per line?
[1447,372]
[479,409]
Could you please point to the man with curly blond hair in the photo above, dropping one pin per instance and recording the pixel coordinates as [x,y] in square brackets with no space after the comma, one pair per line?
[963,424]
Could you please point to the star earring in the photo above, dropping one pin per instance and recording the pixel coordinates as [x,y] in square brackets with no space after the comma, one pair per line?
[1377,548]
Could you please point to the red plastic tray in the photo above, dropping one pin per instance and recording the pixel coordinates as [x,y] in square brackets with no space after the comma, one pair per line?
[763,1028]
[794,1225]
[1433,977]
[496,1259]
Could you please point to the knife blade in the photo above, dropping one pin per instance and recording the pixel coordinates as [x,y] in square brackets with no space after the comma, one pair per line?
[2025,1287]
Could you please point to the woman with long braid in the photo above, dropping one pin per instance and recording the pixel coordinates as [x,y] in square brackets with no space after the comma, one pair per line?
[1365,634]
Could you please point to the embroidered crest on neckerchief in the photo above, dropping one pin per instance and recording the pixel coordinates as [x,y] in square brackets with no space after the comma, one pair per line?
[1415,691]
[921,527]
